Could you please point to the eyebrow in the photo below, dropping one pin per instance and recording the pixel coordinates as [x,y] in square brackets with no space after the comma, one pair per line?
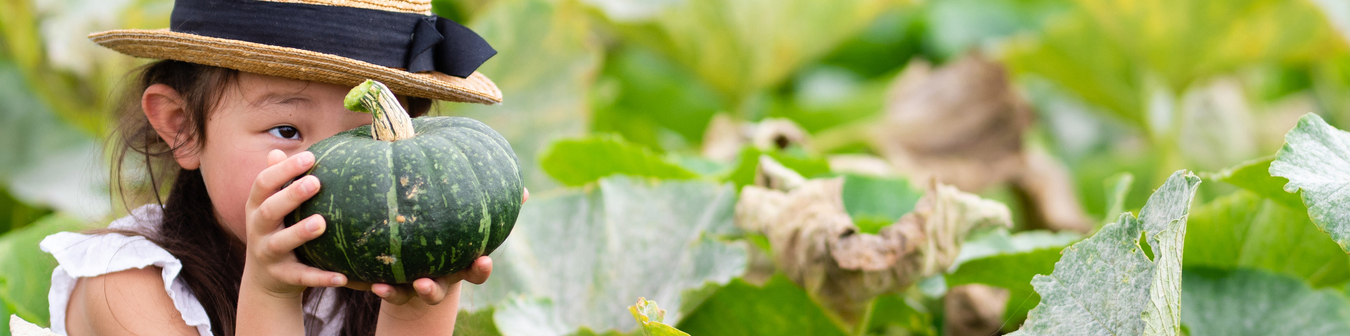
[278,98]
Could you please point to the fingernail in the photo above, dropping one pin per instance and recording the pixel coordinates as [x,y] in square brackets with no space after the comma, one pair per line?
[312,225]
[382,294]
[337,280]
[307,184]
[424,290]
[305,158]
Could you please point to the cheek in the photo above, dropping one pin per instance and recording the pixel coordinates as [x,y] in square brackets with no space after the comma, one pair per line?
[229,180]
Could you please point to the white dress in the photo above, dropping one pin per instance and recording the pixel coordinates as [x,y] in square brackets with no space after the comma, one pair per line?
[82,255]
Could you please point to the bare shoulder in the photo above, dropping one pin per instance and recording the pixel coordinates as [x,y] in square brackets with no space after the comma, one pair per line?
[131,302]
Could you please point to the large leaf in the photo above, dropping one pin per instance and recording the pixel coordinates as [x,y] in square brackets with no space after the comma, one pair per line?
[477,323]
[955,26]
[1244,230]
[777,308]
[26,271]
[546,62]
[1214,37]
[653,101]
[47,162]
[1249,302]
[1010,262]
[1315,158]
[1106,51]
[577,162]
[1106,285]
[742,47]
[590,252]
[1071,55]
[1255,176]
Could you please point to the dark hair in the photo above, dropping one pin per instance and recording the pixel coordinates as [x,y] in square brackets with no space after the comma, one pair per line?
[212,258]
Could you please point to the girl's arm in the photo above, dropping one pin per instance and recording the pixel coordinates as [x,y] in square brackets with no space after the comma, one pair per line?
[429,306]
[131,302]
[274,280]
[418,317]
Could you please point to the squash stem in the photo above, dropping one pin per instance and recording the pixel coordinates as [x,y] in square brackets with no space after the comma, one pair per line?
[391,122]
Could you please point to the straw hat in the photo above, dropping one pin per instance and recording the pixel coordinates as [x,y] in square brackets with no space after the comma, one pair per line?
[397,42]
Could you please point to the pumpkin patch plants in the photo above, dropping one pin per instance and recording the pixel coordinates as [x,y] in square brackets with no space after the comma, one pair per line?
[408,198]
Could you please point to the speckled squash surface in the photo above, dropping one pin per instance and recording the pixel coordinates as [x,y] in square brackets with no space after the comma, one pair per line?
[423,206]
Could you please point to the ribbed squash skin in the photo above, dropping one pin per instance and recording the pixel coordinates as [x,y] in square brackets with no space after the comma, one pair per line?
[420,207]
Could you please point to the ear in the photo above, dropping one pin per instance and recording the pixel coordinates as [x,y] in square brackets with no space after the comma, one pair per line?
[165,109]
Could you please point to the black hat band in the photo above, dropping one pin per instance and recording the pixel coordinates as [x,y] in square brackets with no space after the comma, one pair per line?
[409,41]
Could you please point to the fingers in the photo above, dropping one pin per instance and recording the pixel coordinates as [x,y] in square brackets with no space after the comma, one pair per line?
[392,294]
[301,275]
[275,156]
[288,239]
[274,208]
[277,174]
[527,196]
[478,272]
[434,291]
[429,290]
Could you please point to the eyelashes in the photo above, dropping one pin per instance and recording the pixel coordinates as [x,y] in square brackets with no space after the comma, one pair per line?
[285,132]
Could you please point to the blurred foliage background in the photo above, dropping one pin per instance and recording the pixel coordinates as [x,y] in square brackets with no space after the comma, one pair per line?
[1143,87]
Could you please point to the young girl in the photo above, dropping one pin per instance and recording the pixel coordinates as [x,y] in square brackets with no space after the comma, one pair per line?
[243,88]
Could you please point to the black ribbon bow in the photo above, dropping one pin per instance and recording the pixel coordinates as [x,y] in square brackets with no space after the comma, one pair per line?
[444,45]
[414,42]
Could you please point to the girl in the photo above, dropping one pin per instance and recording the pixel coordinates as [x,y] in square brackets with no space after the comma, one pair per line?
[243,87]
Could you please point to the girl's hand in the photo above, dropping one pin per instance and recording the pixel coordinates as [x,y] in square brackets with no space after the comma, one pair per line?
[433,291]
[270,262]
[429,291]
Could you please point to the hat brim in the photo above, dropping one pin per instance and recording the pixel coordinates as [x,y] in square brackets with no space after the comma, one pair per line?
[295,63]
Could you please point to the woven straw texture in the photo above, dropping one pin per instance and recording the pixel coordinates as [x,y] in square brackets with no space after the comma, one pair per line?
[303,64]
[295,63]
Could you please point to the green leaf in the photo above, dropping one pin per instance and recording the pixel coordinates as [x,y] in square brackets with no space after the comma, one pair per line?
[826,99]
[742,47]
[652,101]
[777,308]
[744,173]
[1245,230]
[26,271]
[47,162]
[577,162]
[1117,189]
[649,316]
[957,26]
[1255,176]
[1250,302]
[521,316]
[1010,262]
[874,202]
[1315,158]
[894,314]
[477,323]
[1105,285]
[546,62]
[1103,51]
[590,251]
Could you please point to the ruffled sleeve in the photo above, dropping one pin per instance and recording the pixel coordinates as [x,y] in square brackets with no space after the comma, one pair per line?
[81,256]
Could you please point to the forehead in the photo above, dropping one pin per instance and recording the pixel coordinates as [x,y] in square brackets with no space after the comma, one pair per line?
[256,86]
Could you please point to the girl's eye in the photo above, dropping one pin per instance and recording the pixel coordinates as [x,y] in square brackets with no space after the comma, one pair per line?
[285,132]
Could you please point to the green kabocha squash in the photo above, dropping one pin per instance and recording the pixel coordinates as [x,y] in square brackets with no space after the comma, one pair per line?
[409,198]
